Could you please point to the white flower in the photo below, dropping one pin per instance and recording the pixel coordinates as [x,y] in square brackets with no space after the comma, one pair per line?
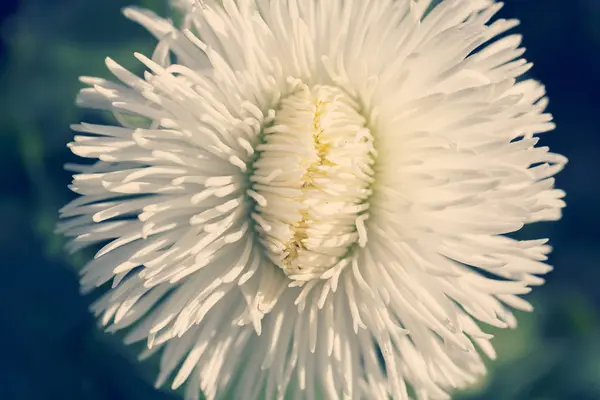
[313,197]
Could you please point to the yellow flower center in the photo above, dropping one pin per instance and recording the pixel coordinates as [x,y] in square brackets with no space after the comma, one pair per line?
[312,181]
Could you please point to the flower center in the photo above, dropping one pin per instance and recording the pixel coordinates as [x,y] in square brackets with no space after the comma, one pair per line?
[312,181]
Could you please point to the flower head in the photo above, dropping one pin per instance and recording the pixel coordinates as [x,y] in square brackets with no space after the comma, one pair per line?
[313,196]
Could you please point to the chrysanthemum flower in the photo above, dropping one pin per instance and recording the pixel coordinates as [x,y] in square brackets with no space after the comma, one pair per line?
[312,197]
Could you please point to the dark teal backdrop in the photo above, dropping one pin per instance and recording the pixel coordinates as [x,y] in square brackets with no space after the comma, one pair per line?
[49,346]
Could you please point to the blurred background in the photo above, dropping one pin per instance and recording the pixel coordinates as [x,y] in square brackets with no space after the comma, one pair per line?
[51,348]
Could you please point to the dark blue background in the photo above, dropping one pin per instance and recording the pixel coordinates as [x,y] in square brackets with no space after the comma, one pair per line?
[50,348]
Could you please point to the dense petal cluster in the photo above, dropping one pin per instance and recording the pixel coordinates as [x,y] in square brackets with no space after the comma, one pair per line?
[312,197]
